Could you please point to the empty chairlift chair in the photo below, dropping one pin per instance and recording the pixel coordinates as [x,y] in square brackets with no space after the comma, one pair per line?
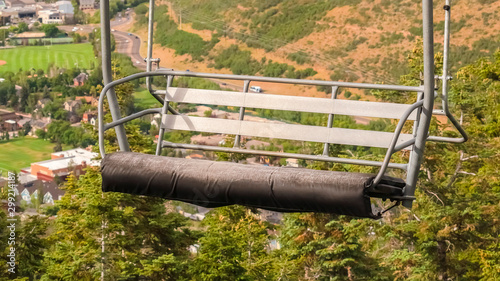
[285,189]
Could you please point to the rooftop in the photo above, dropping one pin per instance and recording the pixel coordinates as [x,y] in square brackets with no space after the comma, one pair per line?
[75,152]
[70,157]
[65,162]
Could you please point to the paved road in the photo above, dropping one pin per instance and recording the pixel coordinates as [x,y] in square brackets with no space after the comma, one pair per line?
[126,43]
[129,44]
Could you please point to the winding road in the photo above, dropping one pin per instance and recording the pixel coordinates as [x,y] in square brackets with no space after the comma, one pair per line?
[126,43]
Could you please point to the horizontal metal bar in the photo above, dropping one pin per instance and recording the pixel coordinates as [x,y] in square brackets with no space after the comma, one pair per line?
[282,131]
[446,139]
[438,112]
[131,117]
[292,81]
[401,166]
[402,197]
[290,103]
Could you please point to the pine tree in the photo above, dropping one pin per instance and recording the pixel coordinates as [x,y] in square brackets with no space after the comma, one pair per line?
[327,247]
[136,231]
[233,247]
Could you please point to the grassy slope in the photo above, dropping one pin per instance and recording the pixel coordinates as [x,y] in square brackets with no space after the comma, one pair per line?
[144,99]
[19,153]
[39,57]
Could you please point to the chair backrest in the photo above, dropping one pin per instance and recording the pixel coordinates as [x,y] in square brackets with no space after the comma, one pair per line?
[282,130]
[297,132]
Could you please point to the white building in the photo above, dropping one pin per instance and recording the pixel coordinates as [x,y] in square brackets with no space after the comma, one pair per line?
[59,13]
[50,17]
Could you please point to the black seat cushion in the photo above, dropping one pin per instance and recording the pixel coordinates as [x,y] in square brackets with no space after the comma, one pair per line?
[214,184]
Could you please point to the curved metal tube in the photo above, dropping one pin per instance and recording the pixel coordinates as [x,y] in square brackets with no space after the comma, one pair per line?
[391,148]
[131,117]
[101,102]
[290,81]
[323,158]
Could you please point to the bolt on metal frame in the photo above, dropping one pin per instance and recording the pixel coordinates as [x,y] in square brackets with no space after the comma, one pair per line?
[424,104]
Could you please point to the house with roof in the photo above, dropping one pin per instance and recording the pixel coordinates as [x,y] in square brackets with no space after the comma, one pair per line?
[87,4]
[72,105]
[59,12]
[63,163]
[18,12]
[23,122]
[80,79]
[89,116]
[50,16]
[6,115]
[49,191]
[8,120]
[39,124]
[14,3]
[88,100]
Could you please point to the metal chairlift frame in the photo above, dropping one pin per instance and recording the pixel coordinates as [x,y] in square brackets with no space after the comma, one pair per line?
[424,105]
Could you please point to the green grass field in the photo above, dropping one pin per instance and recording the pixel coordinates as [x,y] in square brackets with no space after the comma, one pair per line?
[19,153]
[143,99]
[39,57]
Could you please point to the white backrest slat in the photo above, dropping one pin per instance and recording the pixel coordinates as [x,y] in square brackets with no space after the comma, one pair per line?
[290,103]
[281,131]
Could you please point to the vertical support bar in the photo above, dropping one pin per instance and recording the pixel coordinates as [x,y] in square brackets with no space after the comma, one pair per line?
[326,147]
[425,117]
[415,123]
[446,48]
[237,139]
[151,16]
[106,74]
[164,111]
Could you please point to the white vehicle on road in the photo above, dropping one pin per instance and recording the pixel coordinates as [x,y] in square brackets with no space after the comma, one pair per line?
[256,89]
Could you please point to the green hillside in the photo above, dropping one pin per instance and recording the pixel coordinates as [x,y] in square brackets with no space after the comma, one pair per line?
[341,40]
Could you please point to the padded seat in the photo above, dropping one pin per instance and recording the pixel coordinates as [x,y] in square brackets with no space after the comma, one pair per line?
[214,184]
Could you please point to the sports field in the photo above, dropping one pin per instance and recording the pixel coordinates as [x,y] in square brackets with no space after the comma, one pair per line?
[39,57]
[19,153]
